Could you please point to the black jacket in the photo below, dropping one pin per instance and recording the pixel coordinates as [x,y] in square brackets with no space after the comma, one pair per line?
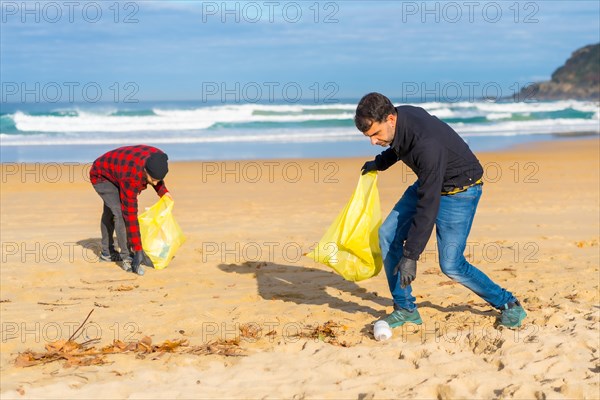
[441,160]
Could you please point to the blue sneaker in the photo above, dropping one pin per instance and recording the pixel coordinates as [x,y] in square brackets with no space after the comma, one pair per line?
[401,316]
[512,314]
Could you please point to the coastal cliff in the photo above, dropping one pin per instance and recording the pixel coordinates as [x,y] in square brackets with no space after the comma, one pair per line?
[578,78]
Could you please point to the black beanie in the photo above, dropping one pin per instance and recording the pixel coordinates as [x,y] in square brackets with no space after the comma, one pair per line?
[157,166]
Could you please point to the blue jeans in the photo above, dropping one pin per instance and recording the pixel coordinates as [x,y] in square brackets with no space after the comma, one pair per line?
[453,224]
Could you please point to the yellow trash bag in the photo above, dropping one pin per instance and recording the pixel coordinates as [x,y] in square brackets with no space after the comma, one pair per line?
[161,234]
[351,244]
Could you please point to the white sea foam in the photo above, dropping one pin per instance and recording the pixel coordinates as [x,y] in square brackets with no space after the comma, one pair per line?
[192,125]
[495,116]
[164,120]
[543,126]
[314,135]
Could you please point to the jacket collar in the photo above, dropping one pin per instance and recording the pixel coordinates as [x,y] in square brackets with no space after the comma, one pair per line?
[402,142]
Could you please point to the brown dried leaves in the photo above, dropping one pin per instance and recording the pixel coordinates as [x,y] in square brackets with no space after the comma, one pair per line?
[229,348]
[76,354]
[328,333]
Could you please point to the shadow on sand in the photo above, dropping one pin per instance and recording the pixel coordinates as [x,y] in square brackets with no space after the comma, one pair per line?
[304,285]
[93,244]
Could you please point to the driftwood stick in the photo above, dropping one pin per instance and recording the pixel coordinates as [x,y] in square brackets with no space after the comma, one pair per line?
[80,326]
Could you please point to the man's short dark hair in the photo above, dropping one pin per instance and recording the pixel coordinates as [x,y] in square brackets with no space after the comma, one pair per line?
[373,107]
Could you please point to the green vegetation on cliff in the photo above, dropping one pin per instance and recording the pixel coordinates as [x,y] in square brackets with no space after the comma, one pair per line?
[578,79]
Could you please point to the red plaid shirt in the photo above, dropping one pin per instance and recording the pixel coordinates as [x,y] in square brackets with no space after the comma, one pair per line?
[125,168]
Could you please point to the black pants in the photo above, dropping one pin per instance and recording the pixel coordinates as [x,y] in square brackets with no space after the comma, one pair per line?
[112,220]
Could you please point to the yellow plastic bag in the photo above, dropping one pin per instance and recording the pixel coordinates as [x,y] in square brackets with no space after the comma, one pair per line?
[161,234]
[351,244]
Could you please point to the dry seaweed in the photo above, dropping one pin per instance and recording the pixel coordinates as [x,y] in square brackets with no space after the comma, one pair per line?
[84,354]
[328,333]
[250,330]
[81,354]
[229,348]
[122,288]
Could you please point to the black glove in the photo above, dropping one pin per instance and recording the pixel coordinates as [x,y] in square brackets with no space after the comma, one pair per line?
[368,167]
[136,263]
[146,260]
[408,271]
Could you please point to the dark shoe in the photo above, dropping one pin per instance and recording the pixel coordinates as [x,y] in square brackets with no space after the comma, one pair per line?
[401,316]
[512,315]
[126,265]
[139,270]
[112,257]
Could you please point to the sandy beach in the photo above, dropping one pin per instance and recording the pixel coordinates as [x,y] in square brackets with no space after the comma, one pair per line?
[247,224]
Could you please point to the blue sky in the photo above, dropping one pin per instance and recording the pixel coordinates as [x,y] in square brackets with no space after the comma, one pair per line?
[173,50]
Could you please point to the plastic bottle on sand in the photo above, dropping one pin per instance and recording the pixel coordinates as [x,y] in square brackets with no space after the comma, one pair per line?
[382,331]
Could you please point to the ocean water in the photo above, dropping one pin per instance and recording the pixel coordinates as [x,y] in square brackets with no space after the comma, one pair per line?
[199,131]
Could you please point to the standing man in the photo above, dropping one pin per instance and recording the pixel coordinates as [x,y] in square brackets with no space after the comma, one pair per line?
[446,194]
[118,177]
